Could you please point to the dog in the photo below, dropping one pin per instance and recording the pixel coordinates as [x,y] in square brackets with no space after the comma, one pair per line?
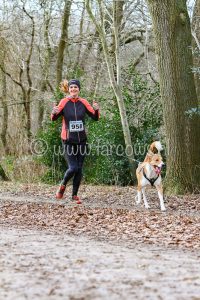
[149,173]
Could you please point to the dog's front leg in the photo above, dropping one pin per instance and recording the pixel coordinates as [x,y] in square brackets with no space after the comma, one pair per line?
[138,198]
[145,198]
[160,195]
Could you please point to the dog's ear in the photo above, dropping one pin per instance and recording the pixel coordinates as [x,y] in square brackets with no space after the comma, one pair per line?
[153,149]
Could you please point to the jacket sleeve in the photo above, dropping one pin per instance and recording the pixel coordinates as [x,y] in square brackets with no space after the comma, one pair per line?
[60,106]
[94,114]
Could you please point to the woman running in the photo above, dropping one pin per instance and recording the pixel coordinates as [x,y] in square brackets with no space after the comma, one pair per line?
[73,110]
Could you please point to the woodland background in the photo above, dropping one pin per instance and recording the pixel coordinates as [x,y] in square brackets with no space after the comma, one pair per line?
[139,59]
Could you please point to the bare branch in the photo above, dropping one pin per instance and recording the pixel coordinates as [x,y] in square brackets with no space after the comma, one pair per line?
[9,75]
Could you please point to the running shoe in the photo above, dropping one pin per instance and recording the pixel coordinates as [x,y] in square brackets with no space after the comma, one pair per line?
[77,199]
[60,192]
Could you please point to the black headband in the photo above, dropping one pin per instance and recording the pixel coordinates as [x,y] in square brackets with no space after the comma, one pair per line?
[75,82]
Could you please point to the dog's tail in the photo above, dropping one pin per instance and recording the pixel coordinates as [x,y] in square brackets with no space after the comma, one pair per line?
[156,147]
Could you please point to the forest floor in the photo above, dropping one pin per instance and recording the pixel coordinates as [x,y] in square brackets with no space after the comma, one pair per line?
[106,248]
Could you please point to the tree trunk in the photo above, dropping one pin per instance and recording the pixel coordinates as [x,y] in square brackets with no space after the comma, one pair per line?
[115,80]
[79,46]
[173,42]
[97,70]
[196,44]
[63,41]
[117,18]
[84,57]
[27,92]
[3,175]
[45,68]
[3,97]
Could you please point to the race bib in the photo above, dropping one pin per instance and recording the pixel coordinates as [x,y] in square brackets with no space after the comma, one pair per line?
[75,126]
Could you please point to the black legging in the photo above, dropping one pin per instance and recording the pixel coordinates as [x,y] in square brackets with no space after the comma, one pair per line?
[74,156]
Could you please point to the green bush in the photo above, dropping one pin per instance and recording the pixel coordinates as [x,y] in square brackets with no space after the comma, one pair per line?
[104,165]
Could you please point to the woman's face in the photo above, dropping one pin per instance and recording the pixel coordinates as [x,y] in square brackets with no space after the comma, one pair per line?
[73,90]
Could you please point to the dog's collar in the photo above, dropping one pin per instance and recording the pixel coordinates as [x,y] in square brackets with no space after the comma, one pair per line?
[151,180]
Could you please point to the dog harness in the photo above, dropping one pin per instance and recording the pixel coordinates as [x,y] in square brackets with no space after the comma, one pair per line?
[151,180]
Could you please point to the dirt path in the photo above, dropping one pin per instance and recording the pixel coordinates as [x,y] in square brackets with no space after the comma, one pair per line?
[39,265]
[107,248]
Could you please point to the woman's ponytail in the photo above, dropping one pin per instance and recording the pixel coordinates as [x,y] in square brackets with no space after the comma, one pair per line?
[64,86]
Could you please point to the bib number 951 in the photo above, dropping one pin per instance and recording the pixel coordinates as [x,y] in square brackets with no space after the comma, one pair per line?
[76,126]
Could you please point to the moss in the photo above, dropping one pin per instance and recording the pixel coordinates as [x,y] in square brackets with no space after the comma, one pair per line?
[183,18]
[176,187]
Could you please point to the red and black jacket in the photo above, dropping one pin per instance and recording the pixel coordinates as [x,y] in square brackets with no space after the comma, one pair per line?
[74,110]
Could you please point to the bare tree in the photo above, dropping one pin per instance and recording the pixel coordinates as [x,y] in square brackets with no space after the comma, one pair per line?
[173,43]
[27,92]
[117,13]
[24,71]
[81,37]
[46,54]
[63,40]
[3,96]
